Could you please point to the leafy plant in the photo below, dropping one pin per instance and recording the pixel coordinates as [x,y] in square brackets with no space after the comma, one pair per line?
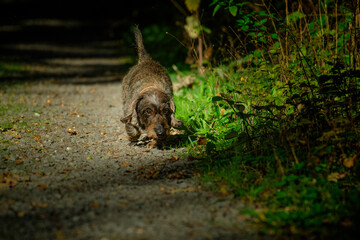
[280,123]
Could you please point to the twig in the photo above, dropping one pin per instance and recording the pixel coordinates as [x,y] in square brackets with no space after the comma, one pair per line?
[281,169]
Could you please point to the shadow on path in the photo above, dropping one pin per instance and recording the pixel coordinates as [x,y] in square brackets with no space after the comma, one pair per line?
[73,58]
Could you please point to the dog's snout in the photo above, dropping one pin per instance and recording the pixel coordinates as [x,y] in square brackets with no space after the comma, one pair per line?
[160,131]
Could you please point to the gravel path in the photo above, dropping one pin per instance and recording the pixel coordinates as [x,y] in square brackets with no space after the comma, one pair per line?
[68,172]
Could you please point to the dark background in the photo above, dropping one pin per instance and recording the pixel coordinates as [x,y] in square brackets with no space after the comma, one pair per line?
[102,16]
[83,21]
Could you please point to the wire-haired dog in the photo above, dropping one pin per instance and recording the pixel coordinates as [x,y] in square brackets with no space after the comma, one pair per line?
[147,96]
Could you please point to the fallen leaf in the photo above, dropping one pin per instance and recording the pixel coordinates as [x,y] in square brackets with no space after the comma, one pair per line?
[40,205]
[9,179]
[349,162]
[157,163]
[128,164]
[14,134]
[201,140]
[191,158]
[123,204]
[21,214]
[346,223]
[153,174]
[175,159]
[242,217]
[42,186]
[71,131]
[293,229]
[176,175]
[64,171]
[139,230]
[150,174]
[177,190]
[223,189]
[334,177]
[262,217]
[40,174]
[95,204]
[60,235]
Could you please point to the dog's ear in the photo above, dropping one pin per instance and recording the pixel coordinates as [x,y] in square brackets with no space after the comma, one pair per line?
[128,118]
[174,122]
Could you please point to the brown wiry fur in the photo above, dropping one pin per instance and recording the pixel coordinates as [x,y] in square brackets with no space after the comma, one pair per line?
[147,97]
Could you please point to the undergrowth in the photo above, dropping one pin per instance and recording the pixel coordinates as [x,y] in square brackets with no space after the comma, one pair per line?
[278,125]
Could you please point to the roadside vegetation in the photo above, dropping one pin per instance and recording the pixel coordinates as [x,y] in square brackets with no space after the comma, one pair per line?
[274,113]
[270,102]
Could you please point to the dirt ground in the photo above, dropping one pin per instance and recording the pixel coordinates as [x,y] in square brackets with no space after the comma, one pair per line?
[67,170]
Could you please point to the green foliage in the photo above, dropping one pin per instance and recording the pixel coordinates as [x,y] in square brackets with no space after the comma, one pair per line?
[192,5]
[279,124]
[230,5]
[161,43]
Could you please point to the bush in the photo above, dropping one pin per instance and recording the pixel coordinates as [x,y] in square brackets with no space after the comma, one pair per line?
[279,123]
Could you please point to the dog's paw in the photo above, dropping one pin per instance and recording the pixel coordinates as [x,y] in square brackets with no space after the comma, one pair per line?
[176,123]
[152,144]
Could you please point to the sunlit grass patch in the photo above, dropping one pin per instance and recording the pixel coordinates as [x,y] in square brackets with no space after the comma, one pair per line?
[251,142]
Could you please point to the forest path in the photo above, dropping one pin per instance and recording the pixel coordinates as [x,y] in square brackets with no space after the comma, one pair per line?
[67,170]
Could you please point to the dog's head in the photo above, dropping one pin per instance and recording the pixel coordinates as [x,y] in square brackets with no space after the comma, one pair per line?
[155,112]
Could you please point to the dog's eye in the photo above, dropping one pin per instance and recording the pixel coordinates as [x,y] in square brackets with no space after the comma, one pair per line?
[148,111]
[166,111]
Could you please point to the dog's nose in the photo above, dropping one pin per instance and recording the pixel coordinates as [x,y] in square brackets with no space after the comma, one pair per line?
[160,131]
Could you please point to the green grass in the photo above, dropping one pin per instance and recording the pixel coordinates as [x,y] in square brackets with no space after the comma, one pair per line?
[277,124]
[14,116]
[235,135]
[8,110]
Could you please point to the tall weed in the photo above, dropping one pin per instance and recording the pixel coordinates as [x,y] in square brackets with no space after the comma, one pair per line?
[279,123]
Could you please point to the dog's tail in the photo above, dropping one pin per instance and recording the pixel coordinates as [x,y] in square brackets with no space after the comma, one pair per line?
[142,54]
